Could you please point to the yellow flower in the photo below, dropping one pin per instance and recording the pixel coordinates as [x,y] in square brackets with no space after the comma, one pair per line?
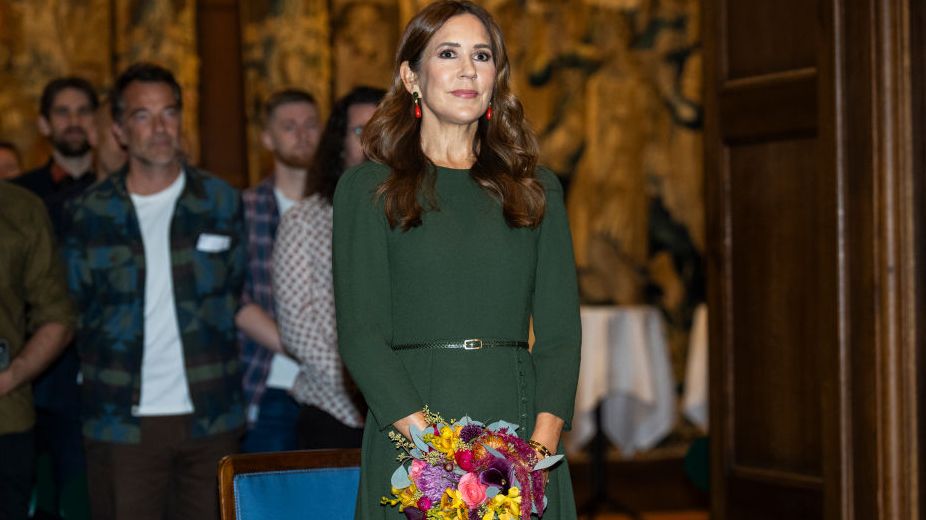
[405,497]
[452,506]
[508,507]
[447,441]
[451,499]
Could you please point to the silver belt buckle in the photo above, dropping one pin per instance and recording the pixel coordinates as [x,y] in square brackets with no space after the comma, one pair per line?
[472,344]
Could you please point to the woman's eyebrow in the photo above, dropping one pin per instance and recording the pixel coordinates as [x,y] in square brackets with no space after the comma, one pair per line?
[455,44]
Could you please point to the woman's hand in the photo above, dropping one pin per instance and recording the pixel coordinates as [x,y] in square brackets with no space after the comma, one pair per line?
[403,425]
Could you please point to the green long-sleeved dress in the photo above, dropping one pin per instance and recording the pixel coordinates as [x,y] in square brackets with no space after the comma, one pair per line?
[464,273]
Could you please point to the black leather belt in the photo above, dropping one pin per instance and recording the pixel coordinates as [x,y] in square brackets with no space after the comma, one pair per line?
[462,344]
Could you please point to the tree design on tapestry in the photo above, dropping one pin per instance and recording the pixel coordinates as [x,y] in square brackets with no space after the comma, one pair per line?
[29,59]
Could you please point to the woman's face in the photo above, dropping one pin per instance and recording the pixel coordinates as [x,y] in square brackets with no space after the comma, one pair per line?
[357,116]
[456,76]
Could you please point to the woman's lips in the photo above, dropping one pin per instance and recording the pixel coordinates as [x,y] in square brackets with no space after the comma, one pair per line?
[468,94]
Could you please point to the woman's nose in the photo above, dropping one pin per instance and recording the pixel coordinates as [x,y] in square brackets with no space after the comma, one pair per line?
[468,68]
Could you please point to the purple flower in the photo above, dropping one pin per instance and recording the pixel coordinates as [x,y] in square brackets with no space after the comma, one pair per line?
[474,514]
[413,513]
[470,432]
[537,491]
[497,473]
[524,450]
[434,480]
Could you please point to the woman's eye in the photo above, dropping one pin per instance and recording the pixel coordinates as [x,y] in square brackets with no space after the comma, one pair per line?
[446,53]
[483,56]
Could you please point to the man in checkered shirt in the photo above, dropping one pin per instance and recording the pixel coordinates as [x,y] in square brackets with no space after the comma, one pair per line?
[292,128]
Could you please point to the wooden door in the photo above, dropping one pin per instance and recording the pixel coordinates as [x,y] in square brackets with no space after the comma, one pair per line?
[814,200]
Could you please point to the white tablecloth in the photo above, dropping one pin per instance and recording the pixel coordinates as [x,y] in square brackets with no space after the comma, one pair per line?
[626,368]
[695,399]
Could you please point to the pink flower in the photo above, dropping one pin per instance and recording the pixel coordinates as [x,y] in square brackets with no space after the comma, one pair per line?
[424,503]
[414,472]
[464,459]
[472,491]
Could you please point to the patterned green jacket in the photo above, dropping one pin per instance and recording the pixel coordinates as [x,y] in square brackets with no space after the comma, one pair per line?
[105,261]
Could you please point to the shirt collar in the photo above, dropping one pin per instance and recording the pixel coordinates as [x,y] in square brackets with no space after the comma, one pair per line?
[59,174]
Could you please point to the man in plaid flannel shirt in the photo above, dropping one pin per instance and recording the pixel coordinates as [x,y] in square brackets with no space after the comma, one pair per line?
[155,256]
[291,133]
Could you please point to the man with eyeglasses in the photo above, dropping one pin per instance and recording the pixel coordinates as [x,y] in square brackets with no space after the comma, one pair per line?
[156,259]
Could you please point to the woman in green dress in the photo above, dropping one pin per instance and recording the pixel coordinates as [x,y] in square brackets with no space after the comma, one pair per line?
[447,248]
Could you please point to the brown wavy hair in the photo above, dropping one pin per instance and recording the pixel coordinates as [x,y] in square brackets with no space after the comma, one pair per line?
[505,148]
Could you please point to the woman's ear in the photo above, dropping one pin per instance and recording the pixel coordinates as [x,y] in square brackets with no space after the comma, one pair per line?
[409,78]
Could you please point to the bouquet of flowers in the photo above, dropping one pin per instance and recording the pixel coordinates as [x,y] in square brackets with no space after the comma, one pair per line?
[464,470]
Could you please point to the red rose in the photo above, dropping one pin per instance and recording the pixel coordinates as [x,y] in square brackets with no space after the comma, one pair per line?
[464,459]
[424,503]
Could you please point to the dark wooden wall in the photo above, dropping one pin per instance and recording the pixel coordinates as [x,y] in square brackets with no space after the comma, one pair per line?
[918,88]
[815,235]
[223,149]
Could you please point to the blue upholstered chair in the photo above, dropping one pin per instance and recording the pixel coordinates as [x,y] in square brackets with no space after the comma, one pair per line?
[300,485]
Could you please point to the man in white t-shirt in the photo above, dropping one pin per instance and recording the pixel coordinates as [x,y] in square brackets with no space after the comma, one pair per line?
[291,132]
[156,260]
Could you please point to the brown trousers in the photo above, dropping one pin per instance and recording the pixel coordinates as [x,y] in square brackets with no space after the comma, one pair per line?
[169,475]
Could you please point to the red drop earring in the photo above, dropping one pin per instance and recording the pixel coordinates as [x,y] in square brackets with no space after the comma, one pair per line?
[489,112]
[416,99]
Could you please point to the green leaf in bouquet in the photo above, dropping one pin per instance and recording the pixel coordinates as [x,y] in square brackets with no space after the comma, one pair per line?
[417,438]
[416,453]
[400,478]
[498,425]
[491,491]
[546,462]
[466,420]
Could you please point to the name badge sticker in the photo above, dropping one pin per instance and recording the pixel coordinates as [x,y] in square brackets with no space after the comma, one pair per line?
[212,243]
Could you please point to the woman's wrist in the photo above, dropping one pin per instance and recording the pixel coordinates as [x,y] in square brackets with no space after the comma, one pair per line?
[541,450]
[547,431]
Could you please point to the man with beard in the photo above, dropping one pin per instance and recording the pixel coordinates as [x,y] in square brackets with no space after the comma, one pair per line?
[67,117]
[156,260]
[291,133]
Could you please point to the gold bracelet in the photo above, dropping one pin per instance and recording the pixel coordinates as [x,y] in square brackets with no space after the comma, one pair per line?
[541,450]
